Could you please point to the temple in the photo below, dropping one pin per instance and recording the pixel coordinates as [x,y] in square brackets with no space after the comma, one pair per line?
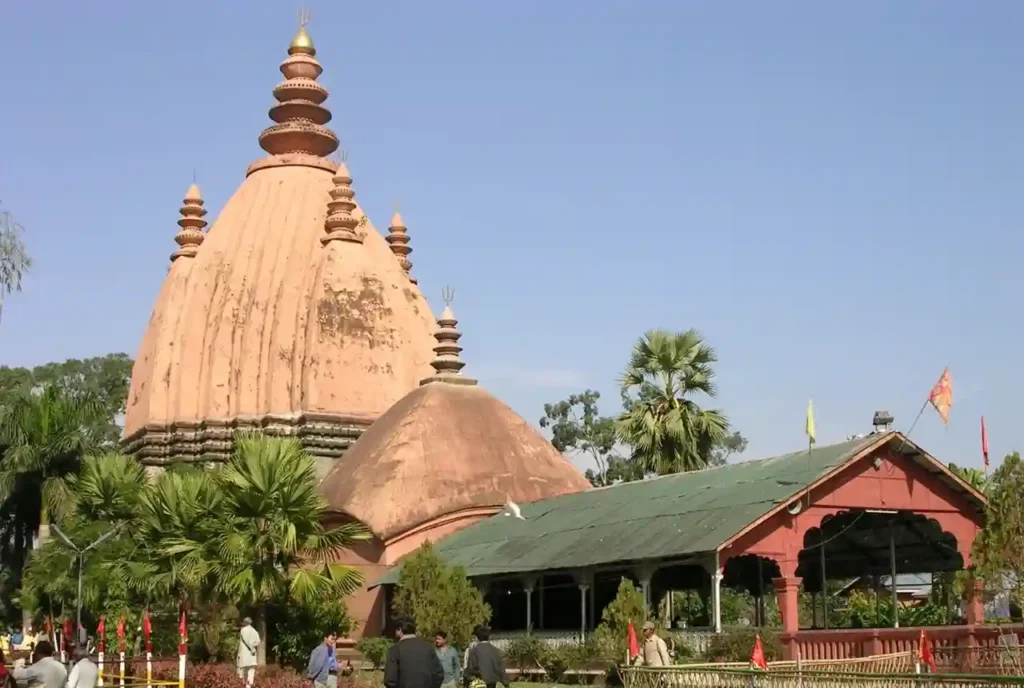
[293,315]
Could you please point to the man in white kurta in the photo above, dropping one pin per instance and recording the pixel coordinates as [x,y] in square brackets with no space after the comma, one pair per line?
[248,641]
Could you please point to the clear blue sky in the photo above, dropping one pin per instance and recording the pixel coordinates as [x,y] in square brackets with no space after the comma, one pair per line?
[830,192]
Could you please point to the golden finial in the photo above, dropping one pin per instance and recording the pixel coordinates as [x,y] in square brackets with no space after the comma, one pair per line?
[302,43]
[448,295]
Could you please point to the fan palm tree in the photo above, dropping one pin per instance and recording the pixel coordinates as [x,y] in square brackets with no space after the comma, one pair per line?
[666,429]
[272,542]
[176,528]
[103,496]
[44,436]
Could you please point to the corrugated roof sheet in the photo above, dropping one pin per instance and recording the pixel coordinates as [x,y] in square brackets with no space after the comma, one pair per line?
[675,515]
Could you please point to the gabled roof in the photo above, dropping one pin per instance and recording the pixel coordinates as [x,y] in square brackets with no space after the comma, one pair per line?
[678,515]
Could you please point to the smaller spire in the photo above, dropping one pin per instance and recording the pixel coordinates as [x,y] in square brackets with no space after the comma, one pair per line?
[192,223]
[447,365]
[341,224]
[398,240]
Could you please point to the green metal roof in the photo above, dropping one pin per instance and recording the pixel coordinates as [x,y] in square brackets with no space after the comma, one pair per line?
[674,515]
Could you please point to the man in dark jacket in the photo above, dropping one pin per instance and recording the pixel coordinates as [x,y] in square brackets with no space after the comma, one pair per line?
[412,662]
[485,662]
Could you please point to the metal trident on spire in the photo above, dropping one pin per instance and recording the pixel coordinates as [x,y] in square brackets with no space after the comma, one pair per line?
[342,155]
[397,206]
[448,294]
[303,16]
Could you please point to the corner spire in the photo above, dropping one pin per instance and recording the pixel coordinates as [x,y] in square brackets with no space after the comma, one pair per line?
[340,224]
[447,365]
[191,235]
[398,240]
[300,115]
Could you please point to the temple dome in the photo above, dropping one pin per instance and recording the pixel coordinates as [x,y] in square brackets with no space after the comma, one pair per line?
[268,325]
[447,447]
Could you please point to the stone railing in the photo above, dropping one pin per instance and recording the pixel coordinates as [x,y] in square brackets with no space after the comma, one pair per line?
[551,638]
[775,677]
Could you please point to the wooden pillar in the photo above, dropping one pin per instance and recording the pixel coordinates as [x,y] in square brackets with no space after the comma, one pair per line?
[529,583]
[788,590]
[892,575]
[540,604]
[583,611]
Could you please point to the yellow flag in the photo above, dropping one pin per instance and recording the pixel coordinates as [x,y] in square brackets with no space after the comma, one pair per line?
[809,426]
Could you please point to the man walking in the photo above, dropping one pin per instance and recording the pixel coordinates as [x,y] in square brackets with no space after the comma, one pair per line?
[451,664]
[412,662]
[84,673]
[248,641]
[654,651]
[485,661]
[323,662]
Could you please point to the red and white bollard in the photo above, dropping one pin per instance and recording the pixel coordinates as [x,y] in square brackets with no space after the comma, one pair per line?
[101,645]
[182,649]
[120,647]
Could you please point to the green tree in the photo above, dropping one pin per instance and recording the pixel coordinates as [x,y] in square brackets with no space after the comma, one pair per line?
[14,259]
[666,429]
[437,596]
[727,447]
[272,544]
[102,379]
[103,497]
[972,476]
[999,548]
[44,436]
[577,427]
[627,608]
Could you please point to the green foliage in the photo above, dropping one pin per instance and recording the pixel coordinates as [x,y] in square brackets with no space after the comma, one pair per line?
[666,429]
[999,548]
[530,652]
[577,426]
[374,650]
[14,259]
[868,610]
[972,476]
[297,627]
[737,646]
[436,596]
[248,532]
[627,608]
[727,447]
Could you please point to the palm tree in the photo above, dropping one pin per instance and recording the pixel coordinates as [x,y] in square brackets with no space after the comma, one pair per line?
[972,476]
[272,542]
[103,496]
[666,429]
[44,436]
[177,527]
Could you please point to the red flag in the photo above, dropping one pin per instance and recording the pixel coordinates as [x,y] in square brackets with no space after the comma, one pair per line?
[941,396]
[101,635]
[757,659]
[69,633]
[634,646]
[984,442]
[924,652]
[48,628]
[120,634]
[147,630]
[183,634]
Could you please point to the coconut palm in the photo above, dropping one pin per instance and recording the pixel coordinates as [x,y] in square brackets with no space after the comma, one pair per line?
[272,542]
[44,435]
[666,429]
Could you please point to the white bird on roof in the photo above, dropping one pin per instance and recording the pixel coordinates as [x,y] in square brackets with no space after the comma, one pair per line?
[512,509]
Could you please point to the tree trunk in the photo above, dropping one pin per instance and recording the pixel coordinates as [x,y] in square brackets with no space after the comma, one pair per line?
[261,627]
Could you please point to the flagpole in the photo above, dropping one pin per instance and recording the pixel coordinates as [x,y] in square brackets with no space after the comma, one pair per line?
[914,424]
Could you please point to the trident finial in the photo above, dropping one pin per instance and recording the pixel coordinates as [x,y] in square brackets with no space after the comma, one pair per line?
[448,294]
[303,17]
[342,155]
[193,175]
[397,206]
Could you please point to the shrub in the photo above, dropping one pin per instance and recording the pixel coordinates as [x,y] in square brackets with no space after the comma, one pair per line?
[737,646]
[526,652]
[627,608]
[438,596]
[297,628]
[374,650]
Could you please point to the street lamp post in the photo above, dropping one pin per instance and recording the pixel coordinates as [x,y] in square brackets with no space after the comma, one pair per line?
[80,552]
